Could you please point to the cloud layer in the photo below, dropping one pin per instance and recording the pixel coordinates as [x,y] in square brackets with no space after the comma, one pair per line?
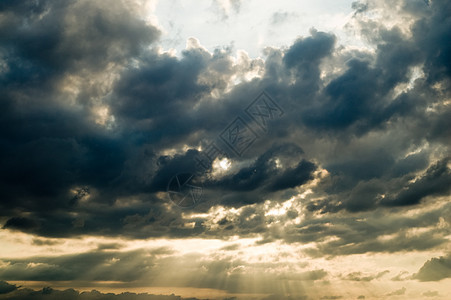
[96,119]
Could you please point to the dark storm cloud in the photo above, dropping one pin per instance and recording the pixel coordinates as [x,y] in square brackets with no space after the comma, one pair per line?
[49,146]
[303,60]
[359,98]
[6,287]
[264,175]
[62,173]
[436,181]
[294,177]
[433,33]
[68,151]
[36,34]
[354,194]
[162,89]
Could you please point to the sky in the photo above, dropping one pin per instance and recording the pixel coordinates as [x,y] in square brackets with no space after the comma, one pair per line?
[225,149]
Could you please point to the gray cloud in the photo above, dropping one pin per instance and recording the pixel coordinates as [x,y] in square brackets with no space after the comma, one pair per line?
[431,294]
[6,288]
[376,227]
[399,292]
[436,181]
[358,276]
[435,269]
[71,294]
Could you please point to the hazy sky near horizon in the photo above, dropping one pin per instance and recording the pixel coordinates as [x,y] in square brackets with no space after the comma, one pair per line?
[225,149]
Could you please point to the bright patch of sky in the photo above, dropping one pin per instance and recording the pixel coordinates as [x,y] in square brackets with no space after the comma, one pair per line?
[249,25]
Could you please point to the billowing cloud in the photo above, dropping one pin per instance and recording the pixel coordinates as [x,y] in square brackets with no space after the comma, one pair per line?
[328,147]
[125,136]
[435,269]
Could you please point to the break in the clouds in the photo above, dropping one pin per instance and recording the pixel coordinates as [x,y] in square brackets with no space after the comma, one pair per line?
[100,110]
